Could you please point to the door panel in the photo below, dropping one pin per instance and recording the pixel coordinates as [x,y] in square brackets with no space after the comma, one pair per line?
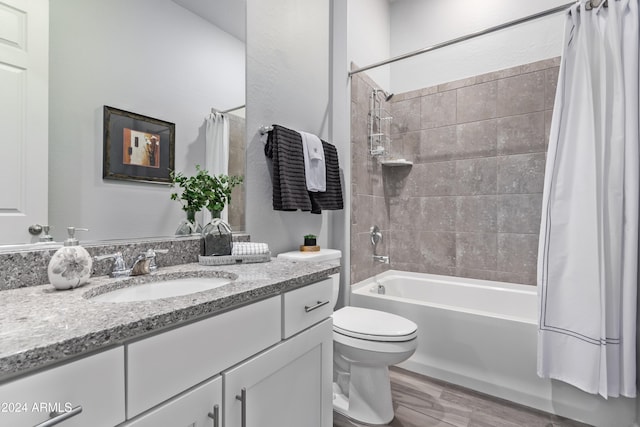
[24,44]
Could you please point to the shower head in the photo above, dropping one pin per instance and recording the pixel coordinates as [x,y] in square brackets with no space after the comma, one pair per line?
[387,95]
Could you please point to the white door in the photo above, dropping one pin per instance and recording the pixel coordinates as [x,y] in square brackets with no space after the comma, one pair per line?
[24,69]
[289,385]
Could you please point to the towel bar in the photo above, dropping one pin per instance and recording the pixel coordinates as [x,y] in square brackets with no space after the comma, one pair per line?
[265,129]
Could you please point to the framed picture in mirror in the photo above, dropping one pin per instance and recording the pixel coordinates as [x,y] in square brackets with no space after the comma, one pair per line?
[137,147]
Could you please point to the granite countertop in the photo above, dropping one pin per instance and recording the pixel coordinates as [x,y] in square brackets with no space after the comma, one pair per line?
[40,326]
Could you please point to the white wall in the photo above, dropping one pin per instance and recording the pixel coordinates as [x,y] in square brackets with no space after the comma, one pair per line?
[416,24]
[150,57]
[369,36]
[288,84]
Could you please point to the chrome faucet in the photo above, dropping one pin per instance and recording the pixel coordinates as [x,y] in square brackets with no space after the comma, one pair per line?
[119,267]
[376,237]
[144,263]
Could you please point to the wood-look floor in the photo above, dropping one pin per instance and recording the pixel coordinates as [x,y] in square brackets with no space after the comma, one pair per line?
[420,401]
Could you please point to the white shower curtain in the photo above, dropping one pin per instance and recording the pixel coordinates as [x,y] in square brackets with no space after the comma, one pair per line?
[217,151]
[588,250]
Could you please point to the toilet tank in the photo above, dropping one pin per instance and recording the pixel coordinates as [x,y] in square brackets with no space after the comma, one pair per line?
[323,255]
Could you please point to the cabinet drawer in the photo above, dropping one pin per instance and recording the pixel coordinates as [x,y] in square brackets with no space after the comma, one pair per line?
[164,365]
[189,409]
[95,383]
[307,306]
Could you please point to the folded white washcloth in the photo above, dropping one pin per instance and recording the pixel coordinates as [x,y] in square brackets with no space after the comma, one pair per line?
[249,248]
[314,166]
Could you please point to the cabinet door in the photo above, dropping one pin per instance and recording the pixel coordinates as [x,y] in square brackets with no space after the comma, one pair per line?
[199,407]
[288,385]
[95,384]
[161,366]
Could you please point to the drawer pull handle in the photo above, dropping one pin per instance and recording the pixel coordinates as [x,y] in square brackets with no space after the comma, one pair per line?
[319,304]
[215,415]
[243,398]
[58,417]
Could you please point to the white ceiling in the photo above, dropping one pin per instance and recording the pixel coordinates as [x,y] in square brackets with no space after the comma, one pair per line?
[229,15]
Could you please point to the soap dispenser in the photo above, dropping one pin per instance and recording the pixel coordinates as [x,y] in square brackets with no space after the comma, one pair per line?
[71,265]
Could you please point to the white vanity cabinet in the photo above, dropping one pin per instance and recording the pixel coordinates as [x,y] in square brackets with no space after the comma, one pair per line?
[164,365]
[267,363]
[198,407]
[274,357]
[95,384]
[289,385]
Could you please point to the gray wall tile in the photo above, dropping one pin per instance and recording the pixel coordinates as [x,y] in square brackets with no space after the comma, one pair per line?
[437,249]
[406,116]
[398,182]
[477,214]
[521,94]
[405,245]
[436,214]
[476,176]
[469,81]
[517,253]
[381,213]
[477,102]
[437,144]
[551,84]
[476,250]
[438,109]
[519,213]
[548,115]
[521,134]
[407,145]
[405,212]
[476,139]
[521,173]
[434,179]
[361,213]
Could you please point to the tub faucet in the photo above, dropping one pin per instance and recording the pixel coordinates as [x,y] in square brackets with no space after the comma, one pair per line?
[381,258]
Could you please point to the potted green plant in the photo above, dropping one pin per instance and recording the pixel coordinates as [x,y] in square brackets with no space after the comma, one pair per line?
[310,240]
[199,191]
[217,191]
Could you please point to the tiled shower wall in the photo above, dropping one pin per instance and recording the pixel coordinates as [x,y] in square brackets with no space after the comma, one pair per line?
[470,204]
[237,167]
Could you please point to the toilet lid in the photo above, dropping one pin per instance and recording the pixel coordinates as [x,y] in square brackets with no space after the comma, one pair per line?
[373,325]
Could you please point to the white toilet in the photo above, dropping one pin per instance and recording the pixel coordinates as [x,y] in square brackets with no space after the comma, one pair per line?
[365,343]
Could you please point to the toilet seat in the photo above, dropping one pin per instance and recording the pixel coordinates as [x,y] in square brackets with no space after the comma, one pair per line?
[373,325]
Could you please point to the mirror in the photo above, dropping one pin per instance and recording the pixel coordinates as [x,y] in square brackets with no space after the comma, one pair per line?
[173,60]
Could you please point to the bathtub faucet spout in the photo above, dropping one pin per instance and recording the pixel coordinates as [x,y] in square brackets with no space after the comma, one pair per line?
[381,258]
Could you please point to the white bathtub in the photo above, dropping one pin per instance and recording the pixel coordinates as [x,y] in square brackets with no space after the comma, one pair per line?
[482,335]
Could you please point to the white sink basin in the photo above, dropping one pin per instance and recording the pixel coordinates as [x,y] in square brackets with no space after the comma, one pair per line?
[162,289]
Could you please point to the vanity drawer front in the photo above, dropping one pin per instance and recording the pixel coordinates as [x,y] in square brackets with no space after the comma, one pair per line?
[95,383]
[196,407]
[164,365]
[307,306]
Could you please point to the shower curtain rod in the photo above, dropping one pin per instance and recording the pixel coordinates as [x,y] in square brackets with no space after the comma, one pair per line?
[466,37]
[215,110]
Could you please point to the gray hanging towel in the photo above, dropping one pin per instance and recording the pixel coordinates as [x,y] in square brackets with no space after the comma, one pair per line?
[332,198]
[284,148]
